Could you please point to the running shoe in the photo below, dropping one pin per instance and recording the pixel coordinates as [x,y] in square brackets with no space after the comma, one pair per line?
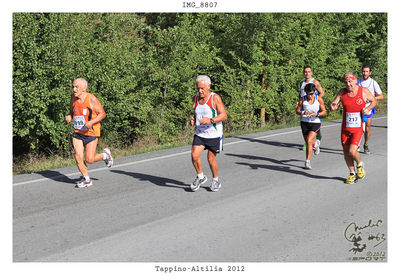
[366,149]
[307,165]
[360,171]
[215,186]
[109,159]
[197,182]
[352,178]
[84,183]
[304,147]
[316,148]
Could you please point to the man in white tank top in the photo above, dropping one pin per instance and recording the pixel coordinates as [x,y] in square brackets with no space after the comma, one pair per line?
[376,91]
[309,79]
[209,114]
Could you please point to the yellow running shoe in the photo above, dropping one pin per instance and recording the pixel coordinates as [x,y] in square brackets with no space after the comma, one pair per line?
[360,171]
[352,178]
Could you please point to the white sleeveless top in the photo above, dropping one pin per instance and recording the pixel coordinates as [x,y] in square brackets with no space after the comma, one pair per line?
[371,85]
[313,108]
[207,110]
[303,85]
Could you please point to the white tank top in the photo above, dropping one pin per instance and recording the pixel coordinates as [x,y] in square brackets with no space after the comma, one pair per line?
[313,108]
[207,110]
[303,85]
[371,85]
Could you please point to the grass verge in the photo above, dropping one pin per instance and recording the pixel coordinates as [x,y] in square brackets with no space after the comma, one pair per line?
[36,163]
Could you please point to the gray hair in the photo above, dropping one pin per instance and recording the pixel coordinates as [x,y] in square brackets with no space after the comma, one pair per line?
[349,74]
[204,78]
[83,81]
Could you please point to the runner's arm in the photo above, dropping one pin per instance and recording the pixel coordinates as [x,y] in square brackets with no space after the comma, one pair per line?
[192,119]
[98,108]
[367,95]
[378,91]
[68,117]
[319,88]
[379,97]
[336,102]
[298,108]
[323,111]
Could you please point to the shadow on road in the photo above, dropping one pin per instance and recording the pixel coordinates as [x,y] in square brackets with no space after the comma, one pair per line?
[283,167]
[292,145]
[379,126]
[160,181]
[273,143]
[57,176]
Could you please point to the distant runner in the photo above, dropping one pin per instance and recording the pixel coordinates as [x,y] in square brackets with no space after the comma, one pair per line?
[310,110]
[86,111]
[319,92]
[209,114]
[354,99]
[376,91]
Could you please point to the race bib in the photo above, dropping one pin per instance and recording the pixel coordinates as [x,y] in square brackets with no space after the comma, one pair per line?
[353,120]
[79,123]
[198,118]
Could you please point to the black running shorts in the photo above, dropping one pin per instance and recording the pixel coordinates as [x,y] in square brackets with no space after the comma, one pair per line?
[307,127]
[212,144]
[84,138]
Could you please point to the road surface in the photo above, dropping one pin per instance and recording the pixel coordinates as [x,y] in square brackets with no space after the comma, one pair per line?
[269,208]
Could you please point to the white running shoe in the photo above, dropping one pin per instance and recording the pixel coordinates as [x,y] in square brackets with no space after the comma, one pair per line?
[109,159]
[84,183]
[307,165]
[197,183]
[317,150]
[215,186]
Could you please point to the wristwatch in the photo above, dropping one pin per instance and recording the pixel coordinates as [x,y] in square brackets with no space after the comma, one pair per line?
[212,121]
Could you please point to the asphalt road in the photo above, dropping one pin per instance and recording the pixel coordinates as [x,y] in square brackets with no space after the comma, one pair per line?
[269,208]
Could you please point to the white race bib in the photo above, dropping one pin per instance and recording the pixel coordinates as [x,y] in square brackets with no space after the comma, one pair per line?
[79,123]
[198,118]
[353,120]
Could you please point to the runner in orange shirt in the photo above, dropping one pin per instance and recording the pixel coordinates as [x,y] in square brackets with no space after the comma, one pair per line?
[86,112]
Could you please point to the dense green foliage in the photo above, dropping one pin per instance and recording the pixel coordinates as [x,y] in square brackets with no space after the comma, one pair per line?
[142,68]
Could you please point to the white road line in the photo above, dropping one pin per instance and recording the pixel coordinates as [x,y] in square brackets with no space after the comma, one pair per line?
[167,156]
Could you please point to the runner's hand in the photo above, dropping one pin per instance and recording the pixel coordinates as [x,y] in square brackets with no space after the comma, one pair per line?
[365,111]
[334,106]
[68,118]
[89,125]
[205,121]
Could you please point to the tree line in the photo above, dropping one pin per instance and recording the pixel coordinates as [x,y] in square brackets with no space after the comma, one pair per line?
[142,67]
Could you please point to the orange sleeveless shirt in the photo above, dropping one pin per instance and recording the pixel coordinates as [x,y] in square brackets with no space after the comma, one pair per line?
[81,113]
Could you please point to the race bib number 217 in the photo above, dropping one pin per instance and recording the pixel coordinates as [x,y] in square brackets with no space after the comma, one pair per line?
[353,120]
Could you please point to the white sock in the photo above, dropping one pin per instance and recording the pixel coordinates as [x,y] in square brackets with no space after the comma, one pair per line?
[87,178]
[200,176]
[215,179]
[104,156]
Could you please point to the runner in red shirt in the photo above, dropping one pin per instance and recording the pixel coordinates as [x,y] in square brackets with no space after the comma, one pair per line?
[353,99]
